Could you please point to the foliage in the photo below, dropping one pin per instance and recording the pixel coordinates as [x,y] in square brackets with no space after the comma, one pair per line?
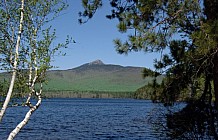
[90,8]
[183,28]
[185,34]
[36,37]
[25,24]
[194,121]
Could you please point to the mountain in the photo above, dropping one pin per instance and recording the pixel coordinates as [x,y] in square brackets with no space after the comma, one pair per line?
[97,77]
[94,79]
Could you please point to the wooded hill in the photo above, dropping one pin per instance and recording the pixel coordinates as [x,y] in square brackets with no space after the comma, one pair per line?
[96,77]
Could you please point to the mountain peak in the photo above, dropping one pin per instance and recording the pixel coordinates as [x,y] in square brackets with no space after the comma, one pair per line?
[96,62]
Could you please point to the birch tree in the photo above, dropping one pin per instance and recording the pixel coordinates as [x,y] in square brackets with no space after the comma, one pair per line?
[26,50]
[15,59]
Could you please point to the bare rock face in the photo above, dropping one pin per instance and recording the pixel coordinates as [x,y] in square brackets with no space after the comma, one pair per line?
[96,62]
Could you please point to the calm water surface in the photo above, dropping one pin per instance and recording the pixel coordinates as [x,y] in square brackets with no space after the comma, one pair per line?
[69,119]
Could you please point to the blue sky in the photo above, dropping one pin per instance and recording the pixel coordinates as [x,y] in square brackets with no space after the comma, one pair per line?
[94,40]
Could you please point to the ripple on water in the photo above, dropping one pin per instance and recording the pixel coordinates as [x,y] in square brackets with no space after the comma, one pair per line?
[67,119]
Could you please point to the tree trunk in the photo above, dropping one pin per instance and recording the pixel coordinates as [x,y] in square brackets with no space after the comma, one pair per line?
[212,16]
[26,119]
[10,90]
[215,78]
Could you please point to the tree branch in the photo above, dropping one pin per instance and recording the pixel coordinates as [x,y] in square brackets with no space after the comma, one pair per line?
[10,90]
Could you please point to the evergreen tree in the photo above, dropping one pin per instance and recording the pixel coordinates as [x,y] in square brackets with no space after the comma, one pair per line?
[187,29]
[184,32]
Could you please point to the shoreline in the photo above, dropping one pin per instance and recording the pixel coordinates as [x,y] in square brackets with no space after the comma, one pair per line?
[87,94]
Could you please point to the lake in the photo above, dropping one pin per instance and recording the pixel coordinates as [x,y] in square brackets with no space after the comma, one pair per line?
[69,119]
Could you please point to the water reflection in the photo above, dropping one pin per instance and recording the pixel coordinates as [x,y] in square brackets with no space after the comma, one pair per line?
[196,120]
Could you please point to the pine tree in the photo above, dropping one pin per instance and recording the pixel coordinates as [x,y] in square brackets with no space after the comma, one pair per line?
[184,32]
[186,29]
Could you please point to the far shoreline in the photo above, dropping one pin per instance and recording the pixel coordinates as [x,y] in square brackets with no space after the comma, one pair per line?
[88,94]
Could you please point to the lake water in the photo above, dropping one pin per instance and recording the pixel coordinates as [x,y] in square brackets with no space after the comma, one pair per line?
[85,119]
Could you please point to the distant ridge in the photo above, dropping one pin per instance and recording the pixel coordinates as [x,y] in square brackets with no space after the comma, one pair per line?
[97,76]
[94,77]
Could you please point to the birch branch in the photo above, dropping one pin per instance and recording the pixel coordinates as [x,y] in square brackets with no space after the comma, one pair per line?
[32,90]
[10,90]
[32,81]
[27,117]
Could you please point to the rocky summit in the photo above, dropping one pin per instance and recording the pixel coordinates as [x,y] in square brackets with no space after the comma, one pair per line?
[96,62]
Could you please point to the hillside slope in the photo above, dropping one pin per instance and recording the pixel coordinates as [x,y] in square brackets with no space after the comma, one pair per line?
[96,76]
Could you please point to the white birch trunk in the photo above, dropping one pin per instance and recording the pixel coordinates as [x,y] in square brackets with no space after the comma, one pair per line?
[31,84]
[27,117]
[10,90]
